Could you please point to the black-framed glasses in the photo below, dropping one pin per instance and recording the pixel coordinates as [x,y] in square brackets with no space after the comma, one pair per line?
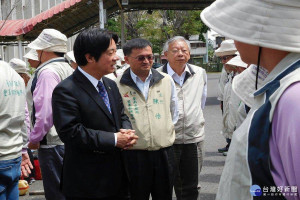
[141,58]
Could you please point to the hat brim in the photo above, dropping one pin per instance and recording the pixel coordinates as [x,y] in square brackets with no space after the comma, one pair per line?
[257,22]
[225,53]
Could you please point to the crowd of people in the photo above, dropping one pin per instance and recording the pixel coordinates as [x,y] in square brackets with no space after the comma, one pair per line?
[123,133]
[108,126]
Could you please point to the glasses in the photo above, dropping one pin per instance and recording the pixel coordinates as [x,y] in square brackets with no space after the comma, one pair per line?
[183,51]
[142,58]
[227,57]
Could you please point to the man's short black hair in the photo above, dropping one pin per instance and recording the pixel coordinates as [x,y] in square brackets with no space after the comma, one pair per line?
[93,41]
[137,43]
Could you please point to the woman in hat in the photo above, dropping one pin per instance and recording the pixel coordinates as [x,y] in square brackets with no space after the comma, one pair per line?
[231,100]
[263,160]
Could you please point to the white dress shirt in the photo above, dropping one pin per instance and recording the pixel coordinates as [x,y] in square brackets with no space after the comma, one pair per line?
[94,82]
[180,80]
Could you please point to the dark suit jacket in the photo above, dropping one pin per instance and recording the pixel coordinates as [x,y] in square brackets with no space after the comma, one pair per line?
[92,166]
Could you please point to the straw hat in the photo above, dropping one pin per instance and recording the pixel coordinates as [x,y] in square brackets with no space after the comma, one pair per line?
[237,61]
[18,65]
[266,23]
[227,48]
[50,40]
[32,55]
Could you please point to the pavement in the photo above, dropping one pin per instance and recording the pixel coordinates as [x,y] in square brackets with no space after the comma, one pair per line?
[213,161]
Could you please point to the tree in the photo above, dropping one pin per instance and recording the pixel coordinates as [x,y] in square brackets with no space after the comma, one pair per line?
[159,26]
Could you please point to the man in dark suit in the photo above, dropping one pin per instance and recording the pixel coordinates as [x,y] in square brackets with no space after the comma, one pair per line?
[89,118]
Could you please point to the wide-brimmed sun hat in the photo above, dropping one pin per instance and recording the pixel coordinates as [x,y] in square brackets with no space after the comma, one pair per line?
[50,40]
[237,61]
[32,55]
[18,65]
[226,48]
[267,23]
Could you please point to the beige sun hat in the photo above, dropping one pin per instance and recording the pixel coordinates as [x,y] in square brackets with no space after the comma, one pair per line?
[32,55]
[70,56]
[18,65]
[267,23]
[50,40]
[237,61]
[227,48]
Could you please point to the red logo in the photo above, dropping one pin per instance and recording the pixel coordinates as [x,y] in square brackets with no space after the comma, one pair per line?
[126,94]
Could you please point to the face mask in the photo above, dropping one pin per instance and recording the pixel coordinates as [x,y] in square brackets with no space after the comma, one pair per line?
[244,84]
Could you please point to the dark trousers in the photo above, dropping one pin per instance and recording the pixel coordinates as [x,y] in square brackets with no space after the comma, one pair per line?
[51,162]
[150,172]
[32,175]
[189,159]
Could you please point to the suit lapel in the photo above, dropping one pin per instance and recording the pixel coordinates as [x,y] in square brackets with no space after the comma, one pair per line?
[86,85]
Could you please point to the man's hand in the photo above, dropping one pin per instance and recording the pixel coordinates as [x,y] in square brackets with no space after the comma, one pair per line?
[26,165]
[33,145]
[126,138]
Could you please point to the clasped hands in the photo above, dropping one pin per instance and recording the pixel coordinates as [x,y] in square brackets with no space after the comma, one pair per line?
[126,138]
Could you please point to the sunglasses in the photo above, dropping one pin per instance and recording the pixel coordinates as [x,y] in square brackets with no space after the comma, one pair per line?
[142,58]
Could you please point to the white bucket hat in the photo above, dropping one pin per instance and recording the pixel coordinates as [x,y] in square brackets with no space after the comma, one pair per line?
[50,40]
[237,61]
[70,56]
[267,23]
[227,48]
[120,54]
[18,65]
[32,55]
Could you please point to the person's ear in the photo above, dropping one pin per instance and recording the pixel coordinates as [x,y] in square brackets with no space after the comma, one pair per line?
[89,58]
[126,59]
[166,53]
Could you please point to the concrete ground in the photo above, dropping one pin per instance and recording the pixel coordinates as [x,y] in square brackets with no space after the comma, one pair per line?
[213,161]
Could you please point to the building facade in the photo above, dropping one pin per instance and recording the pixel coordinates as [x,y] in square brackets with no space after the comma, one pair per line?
[24,9]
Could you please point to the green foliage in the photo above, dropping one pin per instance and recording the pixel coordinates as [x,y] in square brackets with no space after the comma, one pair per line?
[159,26]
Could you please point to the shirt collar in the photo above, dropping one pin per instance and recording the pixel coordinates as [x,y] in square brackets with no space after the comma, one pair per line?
[171,72]
[92,79]
[135,77]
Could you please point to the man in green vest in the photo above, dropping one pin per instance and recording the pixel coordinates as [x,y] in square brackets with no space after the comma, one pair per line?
[150,101]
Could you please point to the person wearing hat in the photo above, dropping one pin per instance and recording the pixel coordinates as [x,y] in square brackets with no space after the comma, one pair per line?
[225,52]
[70,57]
[265,149]
[20,67]
[33,60]
[231,100]
[14,159]
[191,86]
[51,45]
